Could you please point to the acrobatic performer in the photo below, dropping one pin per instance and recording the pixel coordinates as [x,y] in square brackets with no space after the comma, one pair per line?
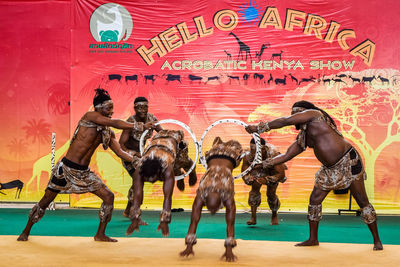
[157,163]
[216,190]
[129,140]
[259,175]
[342,165]
[72,173]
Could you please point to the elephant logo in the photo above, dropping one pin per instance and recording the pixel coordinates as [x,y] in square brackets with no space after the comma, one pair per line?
[111,23]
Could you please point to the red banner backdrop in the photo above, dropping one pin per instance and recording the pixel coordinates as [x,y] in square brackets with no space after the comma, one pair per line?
[197,62]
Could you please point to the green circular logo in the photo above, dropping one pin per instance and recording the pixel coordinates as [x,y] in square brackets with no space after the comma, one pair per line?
[111,23]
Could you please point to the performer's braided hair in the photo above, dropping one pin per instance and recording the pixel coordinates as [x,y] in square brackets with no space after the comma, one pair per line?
[309,105]
[101,96]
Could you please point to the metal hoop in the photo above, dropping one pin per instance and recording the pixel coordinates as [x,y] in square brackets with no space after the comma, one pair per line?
[184,126]
[258,157]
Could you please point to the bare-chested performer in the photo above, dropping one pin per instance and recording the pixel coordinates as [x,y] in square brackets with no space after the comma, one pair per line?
[259,176]
[216,190]
[341,164]
[156,164]
[72,173]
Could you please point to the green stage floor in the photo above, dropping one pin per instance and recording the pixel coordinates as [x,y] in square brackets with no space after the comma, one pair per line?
[292,227]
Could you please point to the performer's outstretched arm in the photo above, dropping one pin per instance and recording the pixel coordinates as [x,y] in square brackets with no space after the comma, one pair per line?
[96,117]
[116,147]
[190,239]
[297,118]
[293,150]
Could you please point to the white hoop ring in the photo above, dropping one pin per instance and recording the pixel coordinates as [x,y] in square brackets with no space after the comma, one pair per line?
[184,126]
[256,137]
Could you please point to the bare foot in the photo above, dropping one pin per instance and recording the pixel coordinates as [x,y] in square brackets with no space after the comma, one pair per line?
[252,221]
[23,237]
[378,245]
[308,243]
[274,220]
[125,214]
[104,238]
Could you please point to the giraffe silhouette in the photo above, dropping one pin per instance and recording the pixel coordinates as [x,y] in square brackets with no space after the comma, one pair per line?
[44,165]
[242,47]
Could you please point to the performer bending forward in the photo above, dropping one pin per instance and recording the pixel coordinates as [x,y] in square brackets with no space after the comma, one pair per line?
[129,140]
[157,163]
[260,175]
[72,174]
[216,190]
[341,164]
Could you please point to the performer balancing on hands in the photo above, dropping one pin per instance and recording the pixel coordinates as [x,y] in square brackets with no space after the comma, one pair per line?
[342,165]
[157,164]
[216,190]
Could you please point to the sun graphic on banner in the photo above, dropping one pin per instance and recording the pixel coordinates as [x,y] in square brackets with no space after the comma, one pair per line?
[249,13]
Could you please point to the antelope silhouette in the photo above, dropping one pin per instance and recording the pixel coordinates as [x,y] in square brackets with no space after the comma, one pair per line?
[367,79]
[311,79]
[277,55]
[172,77]
[338,80]
[150,78]
[13,184]
[354,79]
[294,78]
[326,80]
[194,78]
[228,55]
[114,77]
[280,81]
[212,78]
[242,47]
[383,80]
[131,78]
[233,78]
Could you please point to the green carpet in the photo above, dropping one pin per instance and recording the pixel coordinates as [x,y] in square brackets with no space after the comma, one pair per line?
[292,228]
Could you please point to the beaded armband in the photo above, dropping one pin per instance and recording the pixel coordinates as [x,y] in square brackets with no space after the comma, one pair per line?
[263,127]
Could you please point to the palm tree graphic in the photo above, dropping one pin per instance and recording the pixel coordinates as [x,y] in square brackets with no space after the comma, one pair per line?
[18,147]
[38,131]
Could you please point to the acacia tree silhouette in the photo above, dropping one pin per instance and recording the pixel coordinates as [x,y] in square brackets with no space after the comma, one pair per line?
[353,107]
